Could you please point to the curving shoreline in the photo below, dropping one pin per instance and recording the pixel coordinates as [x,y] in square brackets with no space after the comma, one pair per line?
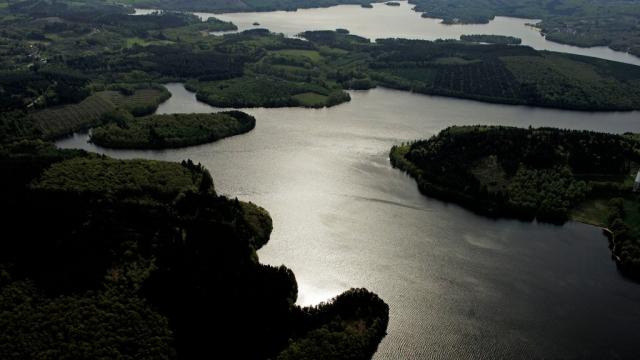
[171,130]
[480,179]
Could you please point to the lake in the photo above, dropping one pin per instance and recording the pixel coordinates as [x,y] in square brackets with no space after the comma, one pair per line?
[458,285]
[383,21]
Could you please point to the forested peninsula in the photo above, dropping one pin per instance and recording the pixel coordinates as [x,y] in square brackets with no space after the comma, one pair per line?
[123,131]
[492,39]
[145,260]
[546,174]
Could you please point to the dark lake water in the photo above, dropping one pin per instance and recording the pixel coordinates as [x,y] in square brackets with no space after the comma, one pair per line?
[459,285]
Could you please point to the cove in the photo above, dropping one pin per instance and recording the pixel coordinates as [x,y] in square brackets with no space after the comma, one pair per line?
[459,285]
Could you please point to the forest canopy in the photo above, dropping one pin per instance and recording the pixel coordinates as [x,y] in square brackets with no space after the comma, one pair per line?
[142,258]
[492,39]
[170,130]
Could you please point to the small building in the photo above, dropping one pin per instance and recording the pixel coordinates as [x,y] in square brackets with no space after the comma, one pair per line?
[636,184]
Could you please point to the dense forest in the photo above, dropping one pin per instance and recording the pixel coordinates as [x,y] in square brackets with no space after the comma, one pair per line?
[505,74]
[492,39]
[144,260]
[266,91]
[576,22]
[532,173]
[124,131]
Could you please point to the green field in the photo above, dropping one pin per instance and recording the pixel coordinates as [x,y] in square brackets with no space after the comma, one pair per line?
[141,102]
[632,215]
[592,211]
[310,99]
[62,120]
[142,42]
[59,121]
[309,54]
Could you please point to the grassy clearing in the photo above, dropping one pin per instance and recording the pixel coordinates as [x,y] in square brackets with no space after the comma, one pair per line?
[632,215]
[489,172]
[62,120]
[596,211]
[592,211]
[330,51]
[291,68]
[131,42]
[59,121]
[310,54]
[141,102]
[311,99]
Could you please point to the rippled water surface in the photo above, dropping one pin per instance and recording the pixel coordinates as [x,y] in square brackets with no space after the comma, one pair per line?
[459,285]
[384,21]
